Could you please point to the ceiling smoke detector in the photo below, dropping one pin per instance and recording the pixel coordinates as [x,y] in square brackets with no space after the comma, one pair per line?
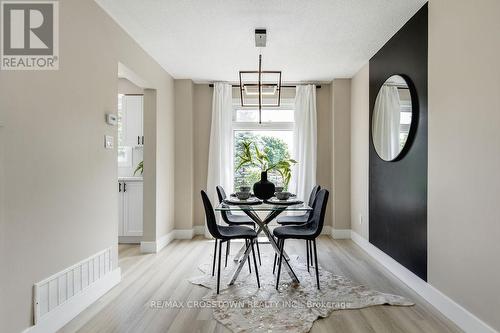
[260,37]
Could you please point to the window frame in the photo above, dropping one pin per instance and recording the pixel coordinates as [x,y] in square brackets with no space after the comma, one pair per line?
[287,104]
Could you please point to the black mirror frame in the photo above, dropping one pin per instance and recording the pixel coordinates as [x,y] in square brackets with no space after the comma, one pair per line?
[414,119]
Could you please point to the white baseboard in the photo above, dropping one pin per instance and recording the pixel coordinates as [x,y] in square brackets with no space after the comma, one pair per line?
[327,230]
[160,243]
[452,310]
[183,233]
[341,233]
[61,315]
[129,239]
[199,229]
[156,246]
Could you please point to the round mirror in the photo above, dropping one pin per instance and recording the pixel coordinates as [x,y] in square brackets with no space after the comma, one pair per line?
[391,119]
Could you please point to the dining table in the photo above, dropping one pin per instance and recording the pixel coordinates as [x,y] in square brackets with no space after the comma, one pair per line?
[262,213]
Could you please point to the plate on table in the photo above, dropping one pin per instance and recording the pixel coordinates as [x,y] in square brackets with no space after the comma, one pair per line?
[238,202]
[290,201]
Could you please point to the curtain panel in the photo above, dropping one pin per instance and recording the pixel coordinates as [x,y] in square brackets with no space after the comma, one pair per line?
[304,141]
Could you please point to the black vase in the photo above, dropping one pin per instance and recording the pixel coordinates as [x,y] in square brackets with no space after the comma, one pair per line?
[263,189]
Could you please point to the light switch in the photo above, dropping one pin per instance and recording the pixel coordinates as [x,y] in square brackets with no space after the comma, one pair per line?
[108,142]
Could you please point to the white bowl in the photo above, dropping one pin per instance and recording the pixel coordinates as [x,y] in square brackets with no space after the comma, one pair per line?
[283,195]
[244,188]
[243,195]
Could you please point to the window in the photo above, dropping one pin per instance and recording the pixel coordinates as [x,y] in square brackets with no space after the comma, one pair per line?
[275,133]
[405,116]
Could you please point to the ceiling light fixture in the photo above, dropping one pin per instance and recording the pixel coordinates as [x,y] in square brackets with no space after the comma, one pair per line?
[260,88]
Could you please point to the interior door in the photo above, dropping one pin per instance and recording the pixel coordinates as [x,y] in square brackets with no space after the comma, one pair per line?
[132,209]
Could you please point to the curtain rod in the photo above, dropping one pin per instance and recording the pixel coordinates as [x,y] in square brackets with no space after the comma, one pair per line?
[283,86]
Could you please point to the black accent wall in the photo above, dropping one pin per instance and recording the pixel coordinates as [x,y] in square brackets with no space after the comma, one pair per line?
[398,189]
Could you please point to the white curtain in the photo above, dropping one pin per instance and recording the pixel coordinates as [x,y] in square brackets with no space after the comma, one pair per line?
[304,141]
[220,157]
[386,120]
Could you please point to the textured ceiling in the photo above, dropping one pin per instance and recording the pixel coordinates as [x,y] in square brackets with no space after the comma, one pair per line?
[315,40]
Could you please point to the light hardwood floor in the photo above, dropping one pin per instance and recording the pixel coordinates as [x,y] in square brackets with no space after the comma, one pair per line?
[147,277]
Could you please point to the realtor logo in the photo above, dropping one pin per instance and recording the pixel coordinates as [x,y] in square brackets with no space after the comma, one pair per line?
[29,35]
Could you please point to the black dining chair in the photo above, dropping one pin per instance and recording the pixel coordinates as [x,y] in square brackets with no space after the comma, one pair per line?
[226,233]
[308,231]
[233,219]
[300,219]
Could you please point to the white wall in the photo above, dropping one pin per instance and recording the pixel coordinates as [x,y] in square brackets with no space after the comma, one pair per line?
[61,194]
[464,154]
[359,151]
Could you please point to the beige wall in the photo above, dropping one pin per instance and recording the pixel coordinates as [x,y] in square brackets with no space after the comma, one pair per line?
[202,116]
[62,202]
[359,151]
[325,137]
[464,154]
[341,157]
[3,228]
[127,87]
[184,157]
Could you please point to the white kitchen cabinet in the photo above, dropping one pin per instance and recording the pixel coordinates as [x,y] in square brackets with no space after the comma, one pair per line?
[130,208]
[132,120]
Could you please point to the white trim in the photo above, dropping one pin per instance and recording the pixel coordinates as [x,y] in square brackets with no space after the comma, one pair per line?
[264,126]
[183,233]
[454,311]
[60,316]
[341,233]
[199,229]
[327,230]
[129,239]
[156,246]
[160,243]
[148,247]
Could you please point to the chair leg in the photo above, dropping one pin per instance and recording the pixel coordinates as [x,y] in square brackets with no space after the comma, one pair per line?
[255,265]
[215,255]
[258,248]
[280,262]
[258,251]
[218,269]
[307,254]
[276,256]
[316,263]
[248,258]
[228,248]
[311,253]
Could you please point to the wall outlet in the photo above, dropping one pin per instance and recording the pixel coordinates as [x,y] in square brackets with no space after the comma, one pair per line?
[360,218]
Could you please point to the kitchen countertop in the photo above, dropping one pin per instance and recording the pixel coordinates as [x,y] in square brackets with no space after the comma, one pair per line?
[130,179]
